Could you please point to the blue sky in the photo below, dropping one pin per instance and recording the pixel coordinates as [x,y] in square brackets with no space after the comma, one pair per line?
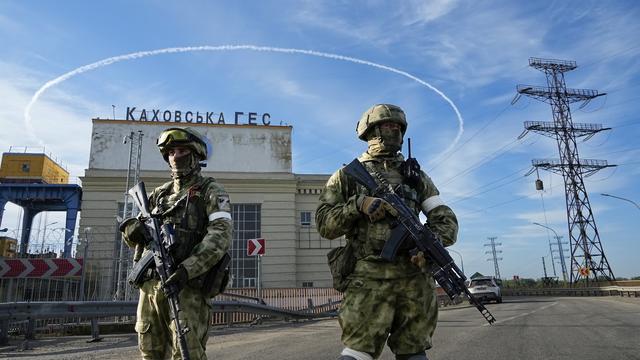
[473,52]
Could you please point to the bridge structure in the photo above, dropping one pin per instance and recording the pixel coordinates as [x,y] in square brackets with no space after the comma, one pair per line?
[35,198]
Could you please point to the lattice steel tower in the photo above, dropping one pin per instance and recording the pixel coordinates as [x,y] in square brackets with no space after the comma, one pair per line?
[588,261]
[494,255]
[124,256]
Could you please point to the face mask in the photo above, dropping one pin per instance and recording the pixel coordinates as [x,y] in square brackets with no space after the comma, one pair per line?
[385,141]
[183,165]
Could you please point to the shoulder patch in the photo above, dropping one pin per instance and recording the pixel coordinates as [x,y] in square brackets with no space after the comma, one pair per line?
[224,204]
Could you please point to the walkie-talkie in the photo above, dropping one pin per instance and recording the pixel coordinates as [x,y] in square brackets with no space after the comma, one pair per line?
[411,169]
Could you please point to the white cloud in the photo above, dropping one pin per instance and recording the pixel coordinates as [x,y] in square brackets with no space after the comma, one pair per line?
[60,119]
[418,11]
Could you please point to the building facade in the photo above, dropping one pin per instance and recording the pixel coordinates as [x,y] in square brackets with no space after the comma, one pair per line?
[8,247]
[252,162]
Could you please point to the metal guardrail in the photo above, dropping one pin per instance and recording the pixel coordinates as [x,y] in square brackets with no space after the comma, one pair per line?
[596,291]
[93,310]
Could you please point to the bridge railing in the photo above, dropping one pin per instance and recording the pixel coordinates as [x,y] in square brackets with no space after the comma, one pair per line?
[23,317]
[589,291]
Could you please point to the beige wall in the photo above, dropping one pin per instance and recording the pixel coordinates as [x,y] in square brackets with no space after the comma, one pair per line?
[294,255]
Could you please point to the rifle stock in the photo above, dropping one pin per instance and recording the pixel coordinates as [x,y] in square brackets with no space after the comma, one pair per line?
[409,228]
[160,240]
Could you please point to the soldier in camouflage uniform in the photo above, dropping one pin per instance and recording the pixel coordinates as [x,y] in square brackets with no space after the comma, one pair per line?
[392,302]
[200,212]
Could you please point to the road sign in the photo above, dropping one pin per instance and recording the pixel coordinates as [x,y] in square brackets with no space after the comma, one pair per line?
[255,247]
[584,271]
[40,268]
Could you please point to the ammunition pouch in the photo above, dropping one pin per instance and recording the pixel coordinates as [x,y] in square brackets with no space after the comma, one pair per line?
[342,262]
[214,281]
[137,275]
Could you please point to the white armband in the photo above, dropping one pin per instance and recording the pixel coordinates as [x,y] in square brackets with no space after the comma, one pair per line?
[220,215]
[431,203]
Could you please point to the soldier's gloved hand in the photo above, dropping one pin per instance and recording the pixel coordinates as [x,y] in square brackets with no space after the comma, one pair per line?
[133,231]
[419,260]
[176,281]
[375,208]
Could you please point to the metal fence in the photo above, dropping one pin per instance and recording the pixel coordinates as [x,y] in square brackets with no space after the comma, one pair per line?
[90,277]
[43,275]
[25,319]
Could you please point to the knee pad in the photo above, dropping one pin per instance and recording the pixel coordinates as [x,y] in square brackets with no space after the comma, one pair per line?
[350,354]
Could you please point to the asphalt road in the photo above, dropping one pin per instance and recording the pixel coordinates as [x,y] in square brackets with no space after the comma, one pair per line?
[596,328]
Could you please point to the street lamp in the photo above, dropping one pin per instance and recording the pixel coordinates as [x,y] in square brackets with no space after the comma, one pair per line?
[564,267]
[461,263]
[621,198]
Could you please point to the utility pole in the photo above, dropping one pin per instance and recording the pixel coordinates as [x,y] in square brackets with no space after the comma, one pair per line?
[588,261]
[553,263]
[544,267]
[560,251]
[124,256]
[494,254]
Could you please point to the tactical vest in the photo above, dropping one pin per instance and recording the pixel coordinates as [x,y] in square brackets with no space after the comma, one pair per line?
[187,212]
[371,237]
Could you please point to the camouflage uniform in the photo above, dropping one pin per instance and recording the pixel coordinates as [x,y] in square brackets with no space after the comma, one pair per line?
[199,210]
[392,302]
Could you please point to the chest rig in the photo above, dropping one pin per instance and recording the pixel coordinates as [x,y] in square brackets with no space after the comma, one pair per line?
[371,237]
[186,211]
[391,172]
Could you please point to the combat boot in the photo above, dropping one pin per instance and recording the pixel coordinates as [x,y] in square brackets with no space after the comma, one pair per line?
[350,354]
[416,356]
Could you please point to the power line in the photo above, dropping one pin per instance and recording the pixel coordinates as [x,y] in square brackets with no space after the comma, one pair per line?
[476,192]
[630,123]
[484,160]
[448,155]
[505,202]
[615,54]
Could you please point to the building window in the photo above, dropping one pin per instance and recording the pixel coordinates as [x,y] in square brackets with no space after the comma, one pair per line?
[305,218]
[25,167]
[307,284]
[131,209]
[246,225]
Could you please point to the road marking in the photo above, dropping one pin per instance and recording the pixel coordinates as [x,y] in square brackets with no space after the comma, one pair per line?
[525,314]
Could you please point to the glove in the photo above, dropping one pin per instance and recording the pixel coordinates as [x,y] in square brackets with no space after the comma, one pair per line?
[133,231]
[376,208]
[176,281]
[419,260]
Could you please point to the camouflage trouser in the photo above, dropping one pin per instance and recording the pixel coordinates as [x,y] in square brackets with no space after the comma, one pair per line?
[401,312]
[156,330]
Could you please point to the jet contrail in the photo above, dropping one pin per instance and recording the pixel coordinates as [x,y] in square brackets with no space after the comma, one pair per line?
[141,54]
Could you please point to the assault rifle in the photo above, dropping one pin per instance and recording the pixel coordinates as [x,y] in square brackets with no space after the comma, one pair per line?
[407,227]
[161,240]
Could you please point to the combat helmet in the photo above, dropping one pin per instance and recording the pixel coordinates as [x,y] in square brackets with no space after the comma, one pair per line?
[187,137]
[378,114]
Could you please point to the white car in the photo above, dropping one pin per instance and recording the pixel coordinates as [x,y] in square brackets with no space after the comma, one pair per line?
[485,289]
